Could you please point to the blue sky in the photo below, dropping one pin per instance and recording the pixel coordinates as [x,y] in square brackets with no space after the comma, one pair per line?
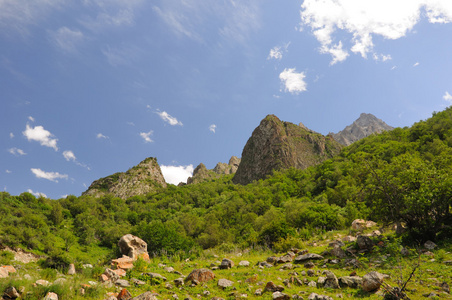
[90,88]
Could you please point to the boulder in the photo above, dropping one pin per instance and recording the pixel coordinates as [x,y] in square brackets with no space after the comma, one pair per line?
[244,263]
[360,224]
[200,275]
[179,282]
[364,243]
[280,296]
[331,280]
[120,272]
[125,262]
[306,257]
[338,252]
[51,296]
[226,264]
[133,247]
[122,283]
[11,293]
[372,281]
[272,287]
[124,294]
[224,283]
[4,273]
[111,275]
[430,245]
[10,269]
[71,270]
[350,281]
[42,282]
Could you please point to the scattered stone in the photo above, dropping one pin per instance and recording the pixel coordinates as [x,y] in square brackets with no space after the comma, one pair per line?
[315,296]
[10,269]
[103,278]
[264,264]
[321,281]
[224,283]
[51,296]
[312,284]
[287,266]
[431,295]
[349,238]
[179,282]
[146,296]
[258,292]
[42,282]
[111,275]
[124,294]
[169,269]
[4,273]
[280,296]
[372,281]
[310,273]
[122,283]
[331,280]
[350,281]
[244,263]
[200,275]
[271,287]
[309,265]
[364,243]
[11,293]
[156,276]
[71,270]
[271,259]
[137,281]
[226,264]
[125,262]
[87,266]
[60,281]
[206,293]
[404,251]
[445,287]
[338,252]
[308,256]
[168,286]
[360,224]
[133,247]
[120,272]
[429,245]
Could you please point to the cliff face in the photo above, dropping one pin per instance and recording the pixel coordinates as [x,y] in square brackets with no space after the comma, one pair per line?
[276,145]
[201,173]
[364,126]
[144,178]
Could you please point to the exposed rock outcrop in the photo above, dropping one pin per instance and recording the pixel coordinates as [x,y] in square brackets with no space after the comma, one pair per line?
[144,178]
[201,173]
[364,126]
[276,145]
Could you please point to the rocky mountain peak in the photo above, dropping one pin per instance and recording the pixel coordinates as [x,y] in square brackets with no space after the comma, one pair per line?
[364,126]
[201,173]
[144,178]
[276,145]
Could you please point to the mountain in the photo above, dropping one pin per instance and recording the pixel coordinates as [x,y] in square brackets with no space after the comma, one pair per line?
[144,178]
[364,126]
[201,173]
[276,145]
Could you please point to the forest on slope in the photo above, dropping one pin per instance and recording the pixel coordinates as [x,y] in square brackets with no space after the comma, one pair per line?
[402,176]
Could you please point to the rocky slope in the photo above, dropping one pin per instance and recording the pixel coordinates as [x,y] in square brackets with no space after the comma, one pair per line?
[276,145]
[364,126]
[201,173]
[144,178]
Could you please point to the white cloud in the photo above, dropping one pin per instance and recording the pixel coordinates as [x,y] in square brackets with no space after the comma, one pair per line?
[213,127]
[39,134]
[31,118]
[8,171]
[236,20]
[37,194]
[67,40]
[16,151]
[168,118]
[447,97]
[176,174]
[147,136]
[101,136]
[17,15]
[293,82]
[52,176]
[125,55]
[277,52]
[11,135]
[69,155]
[416,64]
[365,19]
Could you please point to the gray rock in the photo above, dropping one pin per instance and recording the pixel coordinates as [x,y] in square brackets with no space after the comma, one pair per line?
[244,263]
[156,276]
[338,252]
[11,293]
[429,245]
[364,242]
[179,282]
[372,281]
[280,296]
[226,264]
[71,270]
[51,296]
[306,257]
[137,281]
[122,283]
[350,281]
[224,283]
[331,280]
